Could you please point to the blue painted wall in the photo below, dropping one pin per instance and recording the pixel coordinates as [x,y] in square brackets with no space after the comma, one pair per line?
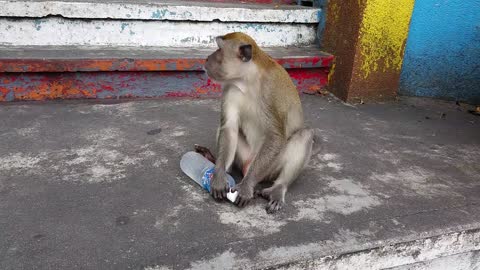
[442,56]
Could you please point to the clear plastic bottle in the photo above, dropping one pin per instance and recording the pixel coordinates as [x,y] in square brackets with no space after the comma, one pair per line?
[201,171]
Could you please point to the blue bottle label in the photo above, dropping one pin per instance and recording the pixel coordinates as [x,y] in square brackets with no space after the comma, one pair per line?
[207,177]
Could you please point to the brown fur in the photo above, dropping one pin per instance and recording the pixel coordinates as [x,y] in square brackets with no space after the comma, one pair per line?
[262,129]
[259,57]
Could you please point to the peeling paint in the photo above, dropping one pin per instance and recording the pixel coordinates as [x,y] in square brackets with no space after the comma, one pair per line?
[122,26]
[44,86]
[36,22]
[159,14]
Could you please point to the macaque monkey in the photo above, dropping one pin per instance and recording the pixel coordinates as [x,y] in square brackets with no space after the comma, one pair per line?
[262,128]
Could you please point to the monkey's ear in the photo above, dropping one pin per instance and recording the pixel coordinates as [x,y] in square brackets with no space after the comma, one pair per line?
[246,52]
[220,41]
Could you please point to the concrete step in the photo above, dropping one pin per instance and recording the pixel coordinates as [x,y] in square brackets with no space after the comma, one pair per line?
[49,72]
[91,58]
[59,31]
[152,23]
[159,10]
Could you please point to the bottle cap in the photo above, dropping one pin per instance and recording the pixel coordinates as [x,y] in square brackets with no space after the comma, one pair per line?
[232,196]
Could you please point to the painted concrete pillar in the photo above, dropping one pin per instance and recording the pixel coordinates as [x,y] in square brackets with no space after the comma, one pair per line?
[442,56]
[368,40]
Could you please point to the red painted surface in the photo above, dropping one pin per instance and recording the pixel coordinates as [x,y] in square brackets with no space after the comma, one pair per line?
[122,64]
[75,85]
[309,81]
[42,79]
[306,62]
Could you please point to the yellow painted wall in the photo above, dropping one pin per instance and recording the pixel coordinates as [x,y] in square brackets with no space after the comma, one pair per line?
[383,34]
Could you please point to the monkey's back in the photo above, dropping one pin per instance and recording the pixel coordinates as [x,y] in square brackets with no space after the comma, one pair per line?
[279,88]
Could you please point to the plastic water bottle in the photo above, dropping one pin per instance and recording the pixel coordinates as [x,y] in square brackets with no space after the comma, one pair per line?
[201,171]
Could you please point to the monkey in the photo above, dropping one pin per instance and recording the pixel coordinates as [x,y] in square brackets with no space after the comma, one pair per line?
[262,129]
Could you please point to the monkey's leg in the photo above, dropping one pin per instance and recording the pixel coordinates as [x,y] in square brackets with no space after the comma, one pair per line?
[204,151]
[289,164]
[260,168]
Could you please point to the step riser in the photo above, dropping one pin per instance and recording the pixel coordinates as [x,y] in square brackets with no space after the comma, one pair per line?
[108,85]
[61,31]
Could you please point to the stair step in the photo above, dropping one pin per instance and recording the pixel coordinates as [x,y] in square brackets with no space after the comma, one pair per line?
[60,31]
[160,10]
[151,23]
[92,59]
[42,73]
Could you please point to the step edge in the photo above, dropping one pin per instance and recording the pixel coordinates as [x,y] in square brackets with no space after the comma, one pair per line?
[129,64]
[380,255]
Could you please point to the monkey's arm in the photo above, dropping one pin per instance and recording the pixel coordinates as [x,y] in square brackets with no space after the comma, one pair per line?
[226,145]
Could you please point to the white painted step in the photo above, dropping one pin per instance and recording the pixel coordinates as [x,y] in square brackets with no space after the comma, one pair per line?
[70,32]
[151,23]
[160,10]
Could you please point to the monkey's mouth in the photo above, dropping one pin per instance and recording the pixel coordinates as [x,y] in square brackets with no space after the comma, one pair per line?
[215,77]
[209,74]
[206,71]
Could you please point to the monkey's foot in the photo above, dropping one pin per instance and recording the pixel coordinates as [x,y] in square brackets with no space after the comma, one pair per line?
[274,206]
[275,196]
[204,151]
[245,194]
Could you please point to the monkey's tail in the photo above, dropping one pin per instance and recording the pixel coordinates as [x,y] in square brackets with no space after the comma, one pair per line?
[317,141]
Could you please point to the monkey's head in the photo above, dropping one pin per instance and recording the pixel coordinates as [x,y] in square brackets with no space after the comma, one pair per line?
[233,59]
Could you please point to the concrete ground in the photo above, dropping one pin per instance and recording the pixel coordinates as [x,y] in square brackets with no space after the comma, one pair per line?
[87,185]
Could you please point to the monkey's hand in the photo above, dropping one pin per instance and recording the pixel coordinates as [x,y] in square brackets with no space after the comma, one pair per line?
[219,185]
[245,193]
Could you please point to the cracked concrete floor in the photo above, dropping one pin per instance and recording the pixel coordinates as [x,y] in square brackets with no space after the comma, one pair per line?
[87,185]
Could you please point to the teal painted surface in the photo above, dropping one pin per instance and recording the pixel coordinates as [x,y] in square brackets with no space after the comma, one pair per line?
[442,57]
[322,18]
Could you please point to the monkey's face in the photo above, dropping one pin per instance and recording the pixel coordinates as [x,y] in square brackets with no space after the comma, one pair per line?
[230,61]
